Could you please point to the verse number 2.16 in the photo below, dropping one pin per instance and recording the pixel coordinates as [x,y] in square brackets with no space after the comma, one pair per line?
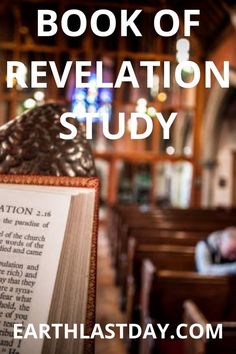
[42,213]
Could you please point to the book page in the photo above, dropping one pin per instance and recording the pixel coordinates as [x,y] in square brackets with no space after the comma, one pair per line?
[32,228]
[74,274]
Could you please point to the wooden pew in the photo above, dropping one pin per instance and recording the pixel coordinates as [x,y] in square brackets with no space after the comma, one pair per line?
[171,256]
[188,238]
[147,228]
[151,237]
[138,242]
[164,292]
[147,224]
[163,257]
[200,288]
[176,221]
[151,227]
[205,345]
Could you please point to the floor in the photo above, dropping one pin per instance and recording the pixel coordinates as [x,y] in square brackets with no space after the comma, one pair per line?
[107,299]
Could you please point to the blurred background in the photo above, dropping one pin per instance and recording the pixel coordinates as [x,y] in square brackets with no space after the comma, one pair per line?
[196,167]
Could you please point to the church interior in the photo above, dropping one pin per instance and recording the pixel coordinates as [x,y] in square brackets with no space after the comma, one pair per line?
[158,197]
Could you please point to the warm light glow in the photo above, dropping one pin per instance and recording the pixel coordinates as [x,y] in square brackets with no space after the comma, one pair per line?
[156,85]
[22,74]
[182,56]
[29,103]
[151,111]
[183,48]
[162,97]
[142,102]
[141,109]
[141,105]
[170,150]
[39,95]
[187,150]
[129,125]
[183,45]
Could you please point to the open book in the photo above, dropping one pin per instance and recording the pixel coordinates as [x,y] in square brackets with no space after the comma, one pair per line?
[48,230]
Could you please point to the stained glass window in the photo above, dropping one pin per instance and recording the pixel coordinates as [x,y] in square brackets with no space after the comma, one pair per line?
[92,100]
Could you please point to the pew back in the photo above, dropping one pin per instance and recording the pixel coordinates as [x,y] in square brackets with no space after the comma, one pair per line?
[206,345]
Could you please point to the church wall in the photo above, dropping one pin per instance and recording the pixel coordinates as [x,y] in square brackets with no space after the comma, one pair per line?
[223,178]
[225,51]
[219,193]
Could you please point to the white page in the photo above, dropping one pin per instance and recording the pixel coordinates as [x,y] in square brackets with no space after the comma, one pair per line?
[40,205]
[47,189]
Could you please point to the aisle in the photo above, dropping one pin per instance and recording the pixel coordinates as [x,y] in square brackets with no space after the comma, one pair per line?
[107,299]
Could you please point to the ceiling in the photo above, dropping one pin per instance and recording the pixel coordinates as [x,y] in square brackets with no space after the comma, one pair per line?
[214,19]
[214,16]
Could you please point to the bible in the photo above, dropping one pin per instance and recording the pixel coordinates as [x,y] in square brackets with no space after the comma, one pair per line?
[48,238]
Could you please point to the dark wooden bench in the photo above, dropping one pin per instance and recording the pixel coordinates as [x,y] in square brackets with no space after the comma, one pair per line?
[138,244]
[206,344]
[163,257]
[164,292]
[165,222]
[160,229]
